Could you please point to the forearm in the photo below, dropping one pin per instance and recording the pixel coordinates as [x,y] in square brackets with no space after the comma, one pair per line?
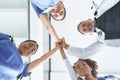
[53,33]
[49,26]
[88,51]
[63,54]
[38,61]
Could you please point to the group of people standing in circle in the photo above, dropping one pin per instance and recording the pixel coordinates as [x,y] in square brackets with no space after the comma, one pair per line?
[83,69]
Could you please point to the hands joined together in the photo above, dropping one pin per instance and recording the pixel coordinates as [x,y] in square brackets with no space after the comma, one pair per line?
[62,44]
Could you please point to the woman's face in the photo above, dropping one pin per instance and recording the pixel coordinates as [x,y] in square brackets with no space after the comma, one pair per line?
[86,27]
[82,68]
[28,48]
[58,11]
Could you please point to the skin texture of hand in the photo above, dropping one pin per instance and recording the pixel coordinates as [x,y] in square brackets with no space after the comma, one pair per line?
[64,44]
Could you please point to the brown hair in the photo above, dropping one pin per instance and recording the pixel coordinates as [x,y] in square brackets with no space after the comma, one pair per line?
[64,13]
[31,41]
[92,64]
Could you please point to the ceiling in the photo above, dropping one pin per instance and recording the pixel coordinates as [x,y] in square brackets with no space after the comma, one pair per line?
[14,17]
[13,3]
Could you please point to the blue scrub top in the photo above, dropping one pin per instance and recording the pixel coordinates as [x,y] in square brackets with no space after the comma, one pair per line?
[41,5]
[11,64]
[111,77]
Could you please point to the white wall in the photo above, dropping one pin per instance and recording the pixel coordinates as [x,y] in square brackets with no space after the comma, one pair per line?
[13,17]
[13,21]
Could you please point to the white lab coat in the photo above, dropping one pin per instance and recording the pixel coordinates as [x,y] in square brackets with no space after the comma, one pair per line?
[94,48]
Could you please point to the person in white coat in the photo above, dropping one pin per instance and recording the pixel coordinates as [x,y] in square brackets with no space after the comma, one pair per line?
[88,27]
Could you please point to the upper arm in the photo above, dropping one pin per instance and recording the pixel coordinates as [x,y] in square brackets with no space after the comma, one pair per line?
[25,72]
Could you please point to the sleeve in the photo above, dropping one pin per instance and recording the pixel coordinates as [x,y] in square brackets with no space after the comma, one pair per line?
[37,10]
[111,77]
[4,36]
[101,78]
[101,35]
[70,70]
[84,53]
[24,74]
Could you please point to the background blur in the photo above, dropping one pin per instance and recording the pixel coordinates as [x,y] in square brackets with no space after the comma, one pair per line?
[18,19]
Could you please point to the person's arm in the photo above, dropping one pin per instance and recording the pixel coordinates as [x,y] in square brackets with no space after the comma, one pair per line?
[62,53]
[69,67]
[101,35]
[47,23]
[78,52]
[38,61]
[84,53]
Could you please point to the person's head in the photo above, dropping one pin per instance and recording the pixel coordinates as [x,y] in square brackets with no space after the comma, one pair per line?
[86,26]
[84,67]
[58,12]
[28,48]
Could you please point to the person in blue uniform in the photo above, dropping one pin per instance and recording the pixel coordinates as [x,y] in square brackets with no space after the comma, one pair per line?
[11,65]
[55,8]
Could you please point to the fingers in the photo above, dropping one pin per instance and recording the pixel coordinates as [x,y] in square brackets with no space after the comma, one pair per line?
[59,44]
[62,43]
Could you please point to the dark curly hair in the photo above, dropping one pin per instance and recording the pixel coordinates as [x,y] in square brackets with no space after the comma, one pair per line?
[92,64]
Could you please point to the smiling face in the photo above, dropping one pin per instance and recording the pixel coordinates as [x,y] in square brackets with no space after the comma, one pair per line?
[28,48]
[58,11]
[82,68]
[86,27]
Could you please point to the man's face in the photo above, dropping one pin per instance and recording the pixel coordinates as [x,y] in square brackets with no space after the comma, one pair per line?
[28,48]
[86,27]
[58,11]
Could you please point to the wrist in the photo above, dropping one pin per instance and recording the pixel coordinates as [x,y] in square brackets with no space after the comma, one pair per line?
[66,46]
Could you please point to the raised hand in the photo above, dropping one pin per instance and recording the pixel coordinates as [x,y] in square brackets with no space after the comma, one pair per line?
[64,44]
